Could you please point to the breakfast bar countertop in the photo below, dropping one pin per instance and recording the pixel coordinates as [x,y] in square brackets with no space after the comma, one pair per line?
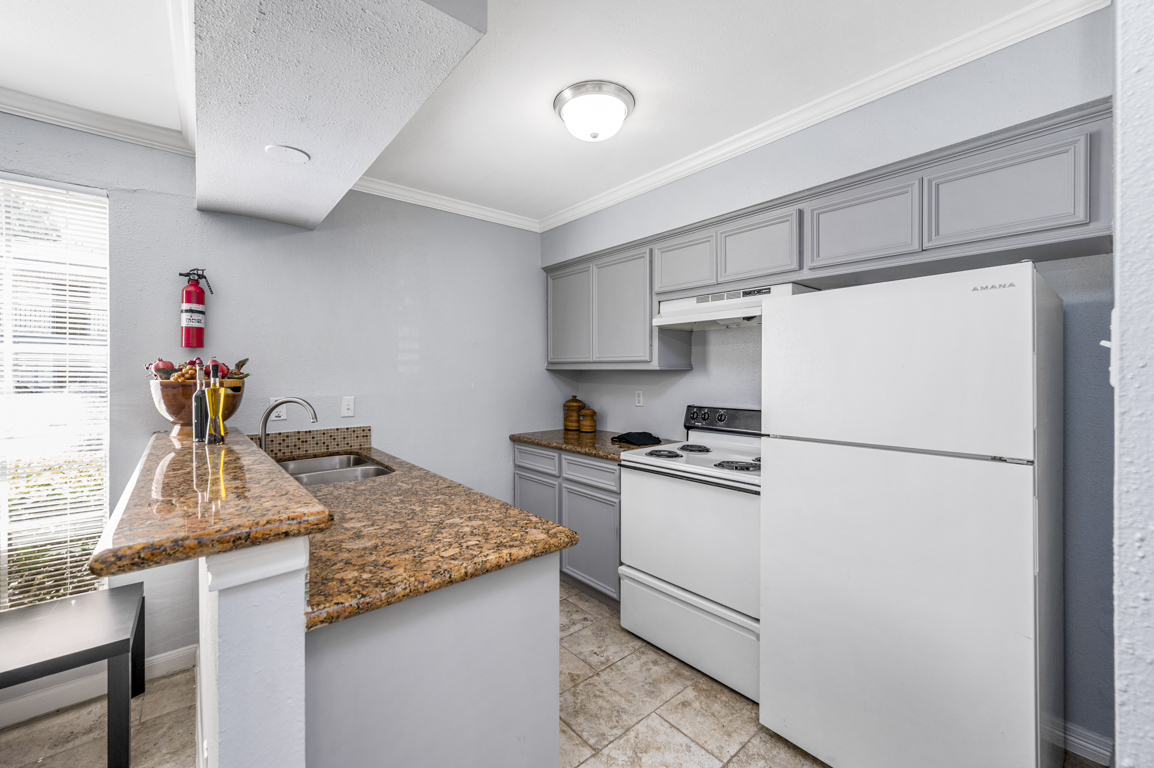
[411,532]
[597,444]
[183,503]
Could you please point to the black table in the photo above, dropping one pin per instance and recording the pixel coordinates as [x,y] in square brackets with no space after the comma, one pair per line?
[47,638]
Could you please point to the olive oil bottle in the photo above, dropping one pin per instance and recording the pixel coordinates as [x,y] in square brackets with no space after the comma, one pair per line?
[200,408]
[215,393]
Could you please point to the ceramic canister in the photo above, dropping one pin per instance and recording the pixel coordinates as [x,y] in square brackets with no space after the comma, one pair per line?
[573,408]
[588,421]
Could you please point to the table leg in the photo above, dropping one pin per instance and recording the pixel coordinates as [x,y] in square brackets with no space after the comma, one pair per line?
[119,710]
[138,651]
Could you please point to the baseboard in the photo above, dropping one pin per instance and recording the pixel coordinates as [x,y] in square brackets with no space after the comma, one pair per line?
[47,700]
[1092,746]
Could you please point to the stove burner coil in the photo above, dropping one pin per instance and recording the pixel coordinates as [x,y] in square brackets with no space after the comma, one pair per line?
[738,466]
[694,448]
[664,454]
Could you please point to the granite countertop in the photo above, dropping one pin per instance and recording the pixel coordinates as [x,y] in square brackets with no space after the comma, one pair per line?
[186,503]
[410,532]
[596,444]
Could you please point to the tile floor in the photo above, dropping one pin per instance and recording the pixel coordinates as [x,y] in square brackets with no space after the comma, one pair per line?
[163,731]
[626,703]
[623,703]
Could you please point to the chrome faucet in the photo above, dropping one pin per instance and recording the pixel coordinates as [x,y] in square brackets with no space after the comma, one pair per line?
[273,407]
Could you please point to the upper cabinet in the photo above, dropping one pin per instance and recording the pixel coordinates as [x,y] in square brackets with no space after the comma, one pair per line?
[866,223]
[570,301]
[755,246]
[621,308]
[767,243]
[686,262]
[600,316]
[1038,191]
[1016,191]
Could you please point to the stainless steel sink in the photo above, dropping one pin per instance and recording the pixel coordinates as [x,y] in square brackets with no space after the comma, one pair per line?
[345,475]
[322,463]
[323,470]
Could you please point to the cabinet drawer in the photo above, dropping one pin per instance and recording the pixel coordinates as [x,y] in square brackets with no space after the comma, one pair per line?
[1028,190]
[685,262]
[538,459]
[599,474]
[767,244]
[883,220]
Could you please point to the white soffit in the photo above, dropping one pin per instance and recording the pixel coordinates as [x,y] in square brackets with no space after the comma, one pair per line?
[337,80]
[712,81]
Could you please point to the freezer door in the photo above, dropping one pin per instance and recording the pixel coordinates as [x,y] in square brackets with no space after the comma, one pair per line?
[942,363]
[897,607]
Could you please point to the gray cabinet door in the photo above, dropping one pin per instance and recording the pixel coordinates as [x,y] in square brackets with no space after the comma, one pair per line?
[622,316]
[595,516]
[866,223]
[685,262]
[766,244]
[1026,189]
[538,495]
[570,310]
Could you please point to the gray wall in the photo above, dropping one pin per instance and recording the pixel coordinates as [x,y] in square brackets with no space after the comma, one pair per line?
[435,322]
[1062,68]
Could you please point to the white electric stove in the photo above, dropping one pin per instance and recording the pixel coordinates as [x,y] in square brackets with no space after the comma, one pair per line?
[690,544]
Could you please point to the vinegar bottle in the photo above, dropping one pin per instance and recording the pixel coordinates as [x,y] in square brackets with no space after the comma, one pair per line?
[215,394]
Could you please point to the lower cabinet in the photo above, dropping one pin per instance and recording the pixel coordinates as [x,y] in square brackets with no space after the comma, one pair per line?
[596,517]
[580,494]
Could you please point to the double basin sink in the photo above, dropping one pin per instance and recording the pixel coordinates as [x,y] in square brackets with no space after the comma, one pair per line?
[342,468]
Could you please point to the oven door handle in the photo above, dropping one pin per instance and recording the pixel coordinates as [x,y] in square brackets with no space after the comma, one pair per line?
[672,476]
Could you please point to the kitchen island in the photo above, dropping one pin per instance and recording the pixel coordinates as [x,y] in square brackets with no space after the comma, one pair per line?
[364,686]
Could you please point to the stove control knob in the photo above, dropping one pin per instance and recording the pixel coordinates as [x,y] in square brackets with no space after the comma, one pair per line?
[705,415]
[721,418]
[693,415]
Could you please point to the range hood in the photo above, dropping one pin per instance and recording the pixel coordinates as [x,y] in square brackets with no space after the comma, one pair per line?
[715,311]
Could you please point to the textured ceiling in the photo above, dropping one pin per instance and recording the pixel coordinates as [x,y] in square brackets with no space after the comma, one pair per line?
[337,80]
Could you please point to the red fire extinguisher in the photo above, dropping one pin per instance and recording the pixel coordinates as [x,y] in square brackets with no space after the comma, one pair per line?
[192,309]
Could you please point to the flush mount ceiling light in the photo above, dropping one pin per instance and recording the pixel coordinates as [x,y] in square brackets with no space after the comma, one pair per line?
[287,154]
[594,110]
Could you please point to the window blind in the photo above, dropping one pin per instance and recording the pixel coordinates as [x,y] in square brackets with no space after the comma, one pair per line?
[53,389]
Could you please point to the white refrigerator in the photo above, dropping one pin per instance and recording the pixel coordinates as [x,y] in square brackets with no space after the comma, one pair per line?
[911,522]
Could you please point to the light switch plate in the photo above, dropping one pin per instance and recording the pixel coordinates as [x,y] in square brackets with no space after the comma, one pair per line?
[347,406]
[279,414]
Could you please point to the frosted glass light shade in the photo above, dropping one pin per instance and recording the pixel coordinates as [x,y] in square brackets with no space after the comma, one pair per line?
[595,110]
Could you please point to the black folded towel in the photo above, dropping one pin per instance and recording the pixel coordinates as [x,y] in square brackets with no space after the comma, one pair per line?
[637,438]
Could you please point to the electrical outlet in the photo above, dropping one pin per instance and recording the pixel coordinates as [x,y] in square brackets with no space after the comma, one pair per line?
[638,400]
[279,414]
[347,406]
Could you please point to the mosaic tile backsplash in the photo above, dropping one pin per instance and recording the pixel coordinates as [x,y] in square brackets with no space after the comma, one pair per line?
[308,443]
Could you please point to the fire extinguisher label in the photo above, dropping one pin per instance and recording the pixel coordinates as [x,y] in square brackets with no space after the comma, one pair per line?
[192,315]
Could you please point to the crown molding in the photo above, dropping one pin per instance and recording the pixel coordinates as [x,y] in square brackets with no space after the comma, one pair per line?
[89,121]
[1034,19]
[440,202]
